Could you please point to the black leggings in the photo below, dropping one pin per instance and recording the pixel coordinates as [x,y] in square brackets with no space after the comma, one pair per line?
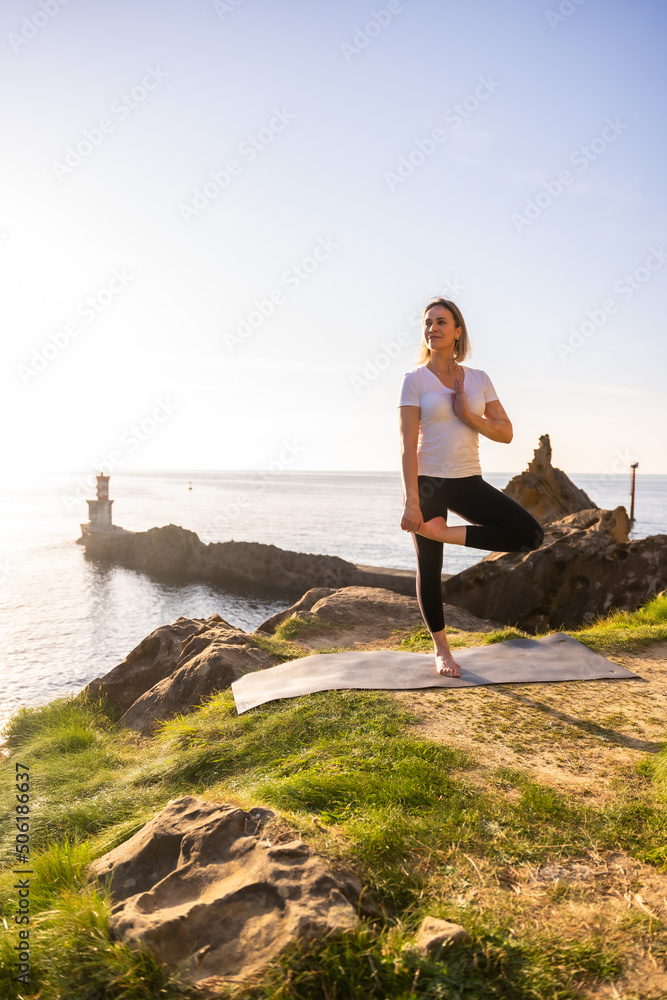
[499,524]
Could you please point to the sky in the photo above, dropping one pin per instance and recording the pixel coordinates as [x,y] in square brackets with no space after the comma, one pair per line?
[222,220]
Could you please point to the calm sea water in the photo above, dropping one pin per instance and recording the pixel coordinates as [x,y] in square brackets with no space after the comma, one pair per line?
[66,620]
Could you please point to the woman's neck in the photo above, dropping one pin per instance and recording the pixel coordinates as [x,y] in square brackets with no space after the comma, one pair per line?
[442,363]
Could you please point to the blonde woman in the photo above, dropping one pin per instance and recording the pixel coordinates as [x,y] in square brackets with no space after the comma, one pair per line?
[444,406]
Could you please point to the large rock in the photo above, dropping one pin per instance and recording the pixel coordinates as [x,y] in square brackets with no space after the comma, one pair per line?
[304,603]
[545,491]
[365,616]
[177,667]
[383,611]
[156,657]
[201,674]
[205,890]
[585,567]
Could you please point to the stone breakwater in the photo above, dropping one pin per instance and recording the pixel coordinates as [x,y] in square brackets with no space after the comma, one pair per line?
[175,553]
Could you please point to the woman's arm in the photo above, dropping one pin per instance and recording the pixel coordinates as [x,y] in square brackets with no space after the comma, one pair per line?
[409,430]
[495,424]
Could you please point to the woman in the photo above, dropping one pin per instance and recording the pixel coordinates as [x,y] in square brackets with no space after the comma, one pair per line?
[444,407]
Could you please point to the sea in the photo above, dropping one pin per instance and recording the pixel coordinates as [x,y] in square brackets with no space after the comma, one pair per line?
[65,619]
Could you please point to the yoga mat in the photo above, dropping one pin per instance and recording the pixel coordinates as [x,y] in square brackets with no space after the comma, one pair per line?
[556,657]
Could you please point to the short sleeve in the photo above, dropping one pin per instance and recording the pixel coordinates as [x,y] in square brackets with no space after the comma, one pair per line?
[489,391]
[409,394]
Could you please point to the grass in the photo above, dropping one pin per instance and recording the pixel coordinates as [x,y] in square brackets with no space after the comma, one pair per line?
[420,640]
[301,624]
[616,633]
[377,966]
[426,827]
[627,631]
[659,770]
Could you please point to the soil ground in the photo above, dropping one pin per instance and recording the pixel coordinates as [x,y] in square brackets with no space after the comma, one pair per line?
[578,737]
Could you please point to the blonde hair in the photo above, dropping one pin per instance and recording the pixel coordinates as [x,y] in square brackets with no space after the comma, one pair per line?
[462,345]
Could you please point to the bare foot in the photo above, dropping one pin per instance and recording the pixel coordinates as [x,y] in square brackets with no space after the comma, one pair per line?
[445,664]
[436,529]
[439,531]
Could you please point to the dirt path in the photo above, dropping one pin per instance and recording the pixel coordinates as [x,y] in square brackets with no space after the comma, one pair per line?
[579,737]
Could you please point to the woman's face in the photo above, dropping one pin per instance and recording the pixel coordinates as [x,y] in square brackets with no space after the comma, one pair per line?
[440,329]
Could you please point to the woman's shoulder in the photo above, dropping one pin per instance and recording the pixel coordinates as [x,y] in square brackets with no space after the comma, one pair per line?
[413,387]
[476,377]
[475,373]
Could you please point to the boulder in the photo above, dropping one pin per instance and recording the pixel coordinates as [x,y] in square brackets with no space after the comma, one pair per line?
[585,566]
[547,493]
[177,667]
[156,657]
[381,611]
[304,603]
[434,934]
[201,673]
[366,617]
[205,889]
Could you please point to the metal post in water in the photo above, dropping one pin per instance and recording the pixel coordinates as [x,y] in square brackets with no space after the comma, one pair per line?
[632,493]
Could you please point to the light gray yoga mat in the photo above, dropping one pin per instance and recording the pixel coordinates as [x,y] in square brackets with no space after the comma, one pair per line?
[557,657]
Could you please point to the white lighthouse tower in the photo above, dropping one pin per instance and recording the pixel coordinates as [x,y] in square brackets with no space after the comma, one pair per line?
[99,510]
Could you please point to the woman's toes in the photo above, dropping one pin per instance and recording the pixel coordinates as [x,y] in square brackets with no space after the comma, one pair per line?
[446,666]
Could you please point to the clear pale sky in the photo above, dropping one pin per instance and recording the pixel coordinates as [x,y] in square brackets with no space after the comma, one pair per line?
[221,222]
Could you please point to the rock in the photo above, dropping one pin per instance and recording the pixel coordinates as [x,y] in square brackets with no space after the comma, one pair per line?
[304,603]
[208,893]
[201,673]
[384,610]
[154,658]
[174,553]
[580,571]
[547,493]
[614,523]
[176,667]
[434,934]
[368,615]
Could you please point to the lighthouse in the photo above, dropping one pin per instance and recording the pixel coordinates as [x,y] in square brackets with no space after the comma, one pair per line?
[99,510]
[99,536]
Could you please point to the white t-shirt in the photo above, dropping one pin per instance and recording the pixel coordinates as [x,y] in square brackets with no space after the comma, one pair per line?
[447,447]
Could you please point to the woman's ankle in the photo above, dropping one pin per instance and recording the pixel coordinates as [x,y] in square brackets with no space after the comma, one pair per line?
[440,641]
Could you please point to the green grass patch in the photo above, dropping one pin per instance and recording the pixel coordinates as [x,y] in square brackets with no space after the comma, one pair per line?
[660,771]
[410,816]
[284,649]
[78,760]
[420,639]
[627,631]
[385,967]
[301,624]
[618,632]
[78,959]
